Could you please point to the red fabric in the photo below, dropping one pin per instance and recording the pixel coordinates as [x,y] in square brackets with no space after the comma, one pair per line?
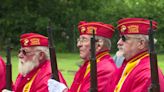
[105,68]
[2,74]
[101,29]
[135,26]
[138,80]
[33,39]
[40,83]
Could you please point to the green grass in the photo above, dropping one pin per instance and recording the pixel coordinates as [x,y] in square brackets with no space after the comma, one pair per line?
[161,61]
[68,64]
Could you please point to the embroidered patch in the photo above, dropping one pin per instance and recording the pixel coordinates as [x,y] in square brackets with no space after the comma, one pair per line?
[35,41]
[133,29]
[90,29]
[83,29]
[123,28]
[26,41]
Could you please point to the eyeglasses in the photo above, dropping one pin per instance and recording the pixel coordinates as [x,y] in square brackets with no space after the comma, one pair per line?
[125,38]
[24,52]
[82,40]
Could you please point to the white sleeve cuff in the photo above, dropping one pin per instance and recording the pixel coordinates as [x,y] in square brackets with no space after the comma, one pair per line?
[55,86]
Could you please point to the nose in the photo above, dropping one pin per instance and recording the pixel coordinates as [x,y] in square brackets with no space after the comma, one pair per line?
[20,54]
[120,42]
[78,44]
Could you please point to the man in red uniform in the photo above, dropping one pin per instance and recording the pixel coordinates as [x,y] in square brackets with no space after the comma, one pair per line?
[34,64]
[2,74]
[134,74]
[105,63]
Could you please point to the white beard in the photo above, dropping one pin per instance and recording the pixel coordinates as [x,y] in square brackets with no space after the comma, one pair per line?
[25,67]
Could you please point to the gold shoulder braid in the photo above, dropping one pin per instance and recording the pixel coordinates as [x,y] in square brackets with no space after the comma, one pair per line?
[28,85]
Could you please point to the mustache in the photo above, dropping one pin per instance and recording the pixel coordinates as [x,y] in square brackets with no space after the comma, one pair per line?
[21,61]
[120,47]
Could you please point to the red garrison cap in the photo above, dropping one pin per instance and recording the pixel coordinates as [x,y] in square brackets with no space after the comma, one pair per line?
[135,26]
[101,29]
[33,39]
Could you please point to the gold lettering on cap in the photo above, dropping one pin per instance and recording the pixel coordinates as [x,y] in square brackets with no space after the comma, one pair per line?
[133,29]
[35,41]
[90,29]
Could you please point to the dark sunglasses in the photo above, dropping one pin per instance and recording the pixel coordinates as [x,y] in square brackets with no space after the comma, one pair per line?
[23,52]
[123,38]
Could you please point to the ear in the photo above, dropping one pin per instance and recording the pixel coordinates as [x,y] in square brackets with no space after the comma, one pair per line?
[141,44]
[41,55]
[99,45]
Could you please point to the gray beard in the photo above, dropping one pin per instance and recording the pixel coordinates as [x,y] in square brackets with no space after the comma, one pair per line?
[25,67]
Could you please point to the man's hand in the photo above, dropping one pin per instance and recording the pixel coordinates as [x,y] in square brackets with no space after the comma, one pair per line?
[55,86]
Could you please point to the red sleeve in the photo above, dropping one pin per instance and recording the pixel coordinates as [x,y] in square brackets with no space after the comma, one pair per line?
[142,82]
[62,80]
[2,74]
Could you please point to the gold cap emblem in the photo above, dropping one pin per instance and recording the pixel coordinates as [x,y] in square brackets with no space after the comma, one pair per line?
[83,29]
[123,28]
[26,41]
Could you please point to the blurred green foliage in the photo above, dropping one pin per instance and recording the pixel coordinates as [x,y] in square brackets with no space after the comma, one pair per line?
[17,17]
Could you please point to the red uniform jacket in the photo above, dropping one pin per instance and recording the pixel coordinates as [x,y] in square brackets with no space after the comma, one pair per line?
[2,74]
[105,67]
[36,80]
[135,78]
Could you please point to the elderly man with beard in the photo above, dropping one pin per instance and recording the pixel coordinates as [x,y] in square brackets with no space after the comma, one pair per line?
[134,74]
[105,63]
[34,64]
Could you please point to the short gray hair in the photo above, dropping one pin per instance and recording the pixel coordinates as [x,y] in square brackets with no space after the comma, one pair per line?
[145,38]
[106,42]
[45,50]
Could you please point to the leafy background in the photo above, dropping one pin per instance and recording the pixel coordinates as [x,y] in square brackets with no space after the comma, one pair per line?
[17,17]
